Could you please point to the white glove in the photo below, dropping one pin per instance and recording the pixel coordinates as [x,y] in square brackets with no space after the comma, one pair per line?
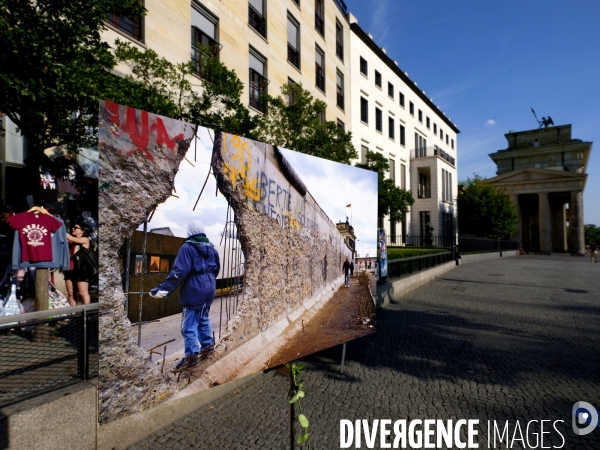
[158,294]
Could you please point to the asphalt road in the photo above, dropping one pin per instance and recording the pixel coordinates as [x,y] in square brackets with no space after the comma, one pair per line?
[512,339]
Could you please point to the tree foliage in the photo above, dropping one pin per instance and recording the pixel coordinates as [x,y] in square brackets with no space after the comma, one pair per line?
[592,233]
[55,67]
[392,200]
[484,210]
[292,122]
[157,85]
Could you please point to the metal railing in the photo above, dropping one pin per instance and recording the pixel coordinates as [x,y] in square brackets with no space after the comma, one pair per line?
[417,240]
[469,244]
[406,266]
[319,24]
[258,86]
[293,56]
[424,152]
[319,78]
[464,244]
[256,20]
[47,350]
[340,100]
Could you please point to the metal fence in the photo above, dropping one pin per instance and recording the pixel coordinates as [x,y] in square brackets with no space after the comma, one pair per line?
[406,266]
[417,240]
[464,244]
[47,350]
[468,244]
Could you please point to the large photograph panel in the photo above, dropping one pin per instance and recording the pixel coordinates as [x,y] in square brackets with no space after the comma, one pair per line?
[237,262]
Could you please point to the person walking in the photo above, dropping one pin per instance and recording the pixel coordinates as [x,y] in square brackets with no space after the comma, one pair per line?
[351,269]
[346,270]
[593,251]
[195,269]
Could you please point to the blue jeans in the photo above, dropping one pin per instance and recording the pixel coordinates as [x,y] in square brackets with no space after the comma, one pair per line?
[196,329]
[347,279]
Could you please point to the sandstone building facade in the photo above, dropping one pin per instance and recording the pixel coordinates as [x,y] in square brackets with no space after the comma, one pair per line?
[319,43]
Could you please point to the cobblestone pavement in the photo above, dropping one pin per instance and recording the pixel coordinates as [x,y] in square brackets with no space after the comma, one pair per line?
[512,339]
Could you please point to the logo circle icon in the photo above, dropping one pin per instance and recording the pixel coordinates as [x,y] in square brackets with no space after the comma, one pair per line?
[584,412]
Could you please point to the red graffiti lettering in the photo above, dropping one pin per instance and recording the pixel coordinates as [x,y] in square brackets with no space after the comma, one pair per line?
[163,138]
[139,138]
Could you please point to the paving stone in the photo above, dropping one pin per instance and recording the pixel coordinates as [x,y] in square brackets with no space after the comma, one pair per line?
[522,346]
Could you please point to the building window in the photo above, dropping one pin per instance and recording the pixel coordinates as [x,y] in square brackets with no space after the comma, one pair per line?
[258,81]
[204,34]
[411,108]
[293,42]
[291,95]
[256,16]
[390,90]
[452,140]
[322,116]
[441,134]
[363,154]
[401,95]
[420,146]
[402,135]
[364,67]
[427,122]
[392,164]
[131,26]
[423,189]
[420,116]
[364,110]
[424,219]
[319,69]
[391,128]
[447,140]
[340,89]
[434,128]
[319,16]
[339,40]
[403,176]
[297,2]
[341,125]
[377,79]
[378,120]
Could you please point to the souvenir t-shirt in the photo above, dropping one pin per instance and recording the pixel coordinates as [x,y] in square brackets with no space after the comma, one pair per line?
[35,235]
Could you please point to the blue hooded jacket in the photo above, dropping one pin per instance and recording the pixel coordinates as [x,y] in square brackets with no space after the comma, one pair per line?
[195,270]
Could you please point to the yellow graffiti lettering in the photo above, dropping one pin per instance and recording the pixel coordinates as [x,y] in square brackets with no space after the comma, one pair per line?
[224,144]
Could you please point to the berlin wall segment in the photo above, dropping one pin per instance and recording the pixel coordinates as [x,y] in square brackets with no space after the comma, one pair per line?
[293,251]
[289,259]
[137,167]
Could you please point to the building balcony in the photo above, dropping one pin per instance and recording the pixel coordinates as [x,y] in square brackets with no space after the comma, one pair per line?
[424,152]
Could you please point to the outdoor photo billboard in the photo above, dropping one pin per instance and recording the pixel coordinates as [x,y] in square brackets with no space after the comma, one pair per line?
[220,257]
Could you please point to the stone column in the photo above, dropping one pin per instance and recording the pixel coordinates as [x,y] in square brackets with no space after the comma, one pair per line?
[559,226]
[545,222]
[518,233]
[576,246]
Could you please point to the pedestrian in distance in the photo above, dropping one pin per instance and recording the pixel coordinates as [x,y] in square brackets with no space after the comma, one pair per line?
[346,270]
[593,251]
[351,269]
[195,269]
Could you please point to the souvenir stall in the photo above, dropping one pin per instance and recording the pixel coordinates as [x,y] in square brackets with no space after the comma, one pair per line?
[39,238]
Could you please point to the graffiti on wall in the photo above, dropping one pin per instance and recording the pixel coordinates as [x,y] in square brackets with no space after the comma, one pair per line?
[271,189]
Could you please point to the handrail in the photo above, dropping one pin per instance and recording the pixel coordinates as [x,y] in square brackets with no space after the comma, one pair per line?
[47,313]
[412,258]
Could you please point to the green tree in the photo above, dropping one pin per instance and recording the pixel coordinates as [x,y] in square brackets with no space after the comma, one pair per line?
[484,210]
[592,233]
[292,122]
[157,85]
[55,67]
[392,200]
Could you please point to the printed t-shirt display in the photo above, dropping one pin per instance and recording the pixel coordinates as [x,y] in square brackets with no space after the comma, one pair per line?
[35,235]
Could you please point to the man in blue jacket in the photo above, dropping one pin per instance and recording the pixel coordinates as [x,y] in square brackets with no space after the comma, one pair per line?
[195,269]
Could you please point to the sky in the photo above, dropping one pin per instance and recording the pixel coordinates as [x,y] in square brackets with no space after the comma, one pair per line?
[332,185]
[486,63]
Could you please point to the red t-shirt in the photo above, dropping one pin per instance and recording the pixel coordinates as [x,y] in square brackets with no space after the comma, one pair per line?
[34,232]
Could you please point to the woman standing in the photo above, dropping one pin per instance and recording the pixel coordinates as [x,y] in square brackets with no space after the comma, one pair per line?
[593,251]
[77,274]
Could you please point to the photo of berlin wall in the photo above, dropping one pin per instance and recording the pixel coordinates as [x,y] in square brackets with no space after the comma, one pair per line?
[272,229]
